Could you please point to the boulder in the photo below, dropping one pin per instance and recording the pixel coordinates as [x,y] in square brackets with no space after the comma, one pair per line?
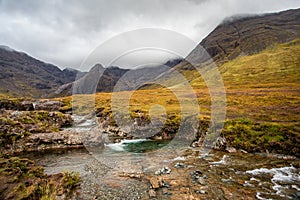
[152,193]
[26,106]
[156,182]
[47,105]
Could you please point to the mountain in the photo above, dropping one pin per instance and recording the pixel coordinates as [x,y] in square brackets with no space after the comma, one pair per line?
[23,75]
[98,79]
[115,78]
[246,35]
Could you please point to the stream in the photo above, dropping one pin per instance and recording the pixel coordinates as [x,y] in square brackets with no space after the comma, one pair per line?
[118,171]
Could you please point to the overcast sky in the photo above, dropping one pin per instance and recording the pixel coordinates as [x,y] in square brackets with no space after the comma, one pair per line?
[66,32]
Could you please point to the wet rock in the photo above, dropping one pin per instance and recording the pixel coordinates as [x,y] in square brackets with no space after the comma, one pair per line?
[195,144]
[179,165]
[93,138]
[152,193]
[220,143]
[164,170]
[243,151]
[200,191]
[195,175]
[230,150]
[297,195]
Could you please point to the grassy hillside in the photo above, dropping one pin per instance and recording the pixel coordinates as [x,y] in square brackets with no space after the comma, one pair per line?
[262,93]
[265,86]
[262,87]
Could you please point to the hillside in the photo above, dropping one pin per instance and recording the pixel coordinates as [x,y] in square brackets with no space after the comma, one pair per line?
[23,75]
[247,35]
[262,94]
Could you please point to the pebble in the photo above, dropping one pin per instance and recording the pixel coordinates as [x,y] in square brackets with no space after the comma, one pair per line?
[179,165]
[152,193]
[164,170]
[231,149]
[165,191]
[201,181]
[200,191]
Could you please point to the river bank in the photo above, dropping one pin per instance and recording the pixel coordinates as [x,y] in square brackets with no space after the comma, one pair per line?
[111,162]
[218,175]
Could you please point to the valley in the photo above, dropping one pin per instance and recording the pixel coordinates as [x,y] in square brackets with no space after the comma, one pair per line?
[89,150]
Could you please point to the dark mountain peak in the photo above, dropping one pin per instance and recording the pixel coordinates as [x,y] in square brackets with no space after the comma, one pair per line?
[6,48]
[97,67]
[70,69]
[173,62]
[23,75]
[249,34]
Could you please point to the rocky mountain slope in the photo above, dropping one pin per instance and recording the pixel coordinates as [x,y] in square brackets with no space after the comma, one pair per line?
[114,78]
[23,75]
[246,35]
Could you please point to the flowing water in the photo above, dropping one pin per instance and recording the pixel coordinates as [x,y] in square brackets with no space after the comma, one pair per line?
[106,173]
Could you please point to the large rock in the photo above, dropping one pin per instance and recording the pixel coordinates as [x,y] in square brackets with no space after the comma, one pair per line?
[156,182]
[8,104]
[47,105]
[93,138]
[41,141]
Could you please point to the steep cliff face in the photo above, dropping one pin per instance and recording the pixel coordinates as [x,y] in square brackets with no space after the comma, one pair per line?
[246,35]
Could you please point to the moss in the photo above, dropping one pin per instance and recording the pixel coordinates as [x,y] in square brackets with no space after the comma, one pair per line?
[21,179]
[70,180]
[277,138]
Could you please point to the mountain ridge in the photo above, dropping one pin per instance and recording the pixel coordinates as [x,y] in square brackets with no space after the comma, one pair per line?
[250,34]
[22,75]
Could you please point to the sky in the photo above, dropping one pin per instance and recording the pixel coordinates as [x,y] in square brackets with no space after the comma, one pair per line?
[65,33]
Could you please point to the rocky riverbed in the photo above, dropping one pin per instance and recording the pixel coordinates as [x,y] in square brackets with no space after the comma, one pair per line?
[218,175]
[116,165]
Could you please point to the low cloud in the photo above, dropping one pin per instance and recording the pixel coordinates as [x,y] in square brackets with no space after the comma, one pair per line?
[66,32]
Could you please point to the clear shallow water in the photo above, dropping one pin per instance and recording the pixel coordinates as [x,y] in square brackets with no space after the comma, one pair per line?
[268,178]
[264,177]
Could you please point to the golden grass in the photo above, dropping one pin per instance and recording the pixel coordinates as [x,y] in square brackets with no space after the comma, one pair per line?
[263,87]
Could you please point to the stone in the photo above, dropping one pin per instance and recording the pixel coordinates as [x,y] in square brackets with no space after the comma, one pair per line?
[195,144]
[165,191]
[157,172]
[26,106]
[195,174]
[200,191]
[47,105]
[156,182]
[164,170]
[201,181]
[179,165]
[152,193]
[243,151]
[231,150]
[174,183]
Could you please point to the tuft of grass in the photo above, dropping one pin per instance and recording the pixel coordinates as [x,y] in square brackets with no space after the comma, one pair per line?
[21,179]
